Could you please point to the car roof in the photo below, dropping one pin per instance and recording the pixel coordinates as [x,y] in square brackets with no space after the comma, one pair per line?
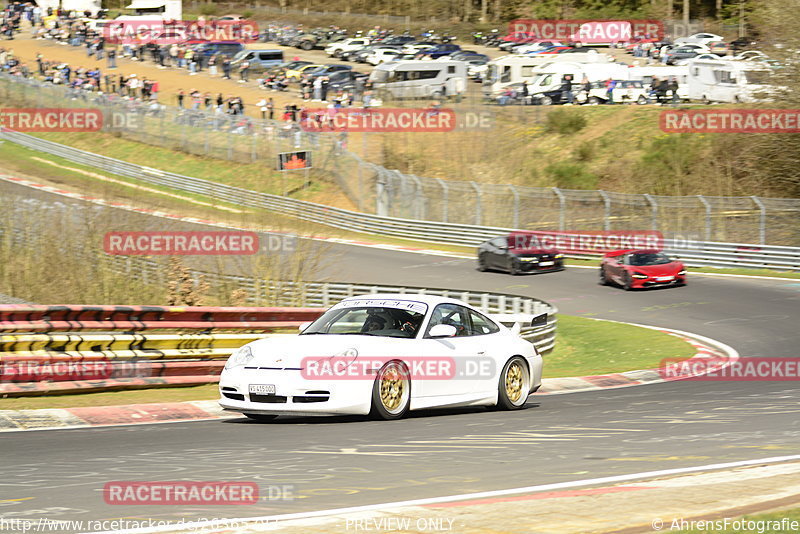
[426,299]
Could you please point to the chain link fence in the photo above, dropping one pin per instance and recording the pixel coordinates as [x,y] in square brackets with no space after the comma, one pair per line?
[372,188]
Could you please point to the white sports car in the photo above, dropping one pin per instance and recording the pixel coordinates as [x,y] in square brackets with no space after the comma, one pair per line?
[384,355]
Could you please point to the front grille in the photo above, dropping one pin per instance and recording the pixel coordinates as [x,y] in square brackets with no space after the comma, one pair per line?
[312,396]
[269,399]
[309,399]
[234,396]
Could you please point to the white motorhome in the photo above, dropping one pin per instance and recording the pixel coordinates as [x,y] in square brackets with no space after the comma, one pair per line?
[516,68]
[647,73]
[550,76]
[728,80]
[420,79]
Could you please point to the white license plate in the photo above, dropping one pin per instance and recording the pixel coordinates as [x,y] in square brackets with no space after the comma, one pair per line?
[262,389]
[664,278]
[547,263]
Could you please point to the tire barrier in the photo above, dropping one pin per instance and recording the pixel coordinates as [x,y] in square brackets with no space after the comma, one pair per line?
[24,318]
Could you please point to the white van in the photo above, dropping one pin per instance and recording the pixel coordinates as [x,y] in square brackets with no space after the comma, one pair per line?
[420,79]
[647,73]
[511,69]
[551,75]
[728,80]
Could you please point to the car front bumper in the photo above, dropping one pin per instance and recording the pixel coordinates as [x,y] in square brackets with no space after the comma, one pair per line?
[294,394]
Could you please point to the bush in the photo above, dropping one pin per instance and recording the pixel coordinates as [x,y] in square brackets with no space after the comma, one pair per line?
[565,122]
[571,176]
[209,9]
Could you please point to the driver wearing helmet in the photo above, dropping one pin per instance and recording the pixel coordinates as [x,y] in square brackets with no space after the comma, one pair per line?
[373,322]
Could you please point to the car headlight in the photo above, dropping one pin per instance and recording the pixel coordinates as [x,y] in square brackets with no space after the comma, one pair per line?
[240,357]
[682,272]
[639,275]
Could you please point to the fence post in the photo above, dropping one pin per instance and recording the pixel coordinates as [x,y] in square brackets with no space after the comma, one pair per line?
[443,185]
[654,208]
[607,209]
[708,216]
[419,203]
[477,203]
[515,222]
[762,222]
[562,208]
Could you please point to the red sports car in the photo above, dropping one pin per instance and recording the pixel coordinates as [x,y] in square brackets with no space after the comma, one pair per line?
[636,269]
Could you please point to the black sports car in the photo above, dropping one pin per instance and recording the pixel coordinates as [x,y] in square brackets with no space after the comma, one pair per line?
[507,253]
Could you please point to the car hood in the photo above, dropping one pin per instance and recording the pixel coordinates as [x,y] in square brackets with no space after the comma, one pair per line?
[657,270]
[520,251]
[291,351]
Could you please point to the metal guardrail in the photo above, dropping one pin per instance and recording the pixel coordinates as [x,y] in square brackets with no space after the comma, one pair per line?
[376,189]
[696,254]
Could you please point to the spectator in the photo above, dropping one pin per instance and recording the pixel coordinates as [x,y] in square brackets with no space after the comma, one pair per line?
[566,90]
[226,68]
[610,86]
[244,71]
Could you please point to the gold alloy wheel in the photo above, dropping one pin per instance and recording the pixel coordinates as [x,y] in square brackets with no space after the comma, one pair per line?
[514,381]
[392,388]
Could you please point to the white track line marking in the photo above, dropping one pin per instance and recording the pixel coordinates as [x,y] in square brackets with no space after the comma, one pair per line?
[462,497]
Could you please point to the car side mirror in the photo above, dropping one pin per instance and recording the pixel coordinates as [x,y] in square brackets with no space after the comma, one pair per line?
[442,330]
[303,326]
[539,320]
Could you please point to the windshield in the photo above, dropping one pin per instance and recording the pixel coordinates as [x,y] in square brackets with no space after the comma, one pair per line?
[648,259]
[491,75]
[379,76]
[371,318]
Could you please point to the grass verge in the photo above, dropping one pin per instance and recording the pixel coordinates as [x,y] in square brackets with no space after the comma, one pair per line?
[584,347]
[591,347]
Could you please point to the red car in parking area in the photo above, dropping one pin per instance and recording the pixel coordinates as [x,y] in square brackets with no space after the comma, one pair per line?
[637,269]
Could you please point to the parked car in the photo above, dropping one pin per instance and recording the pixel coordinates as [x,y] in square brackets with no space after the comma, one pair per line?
[636,269]
[286,66]
[260,59]
[367,354]
[516,256]
[338,48]
[699,38]
[439,51]
[534,46]
[344,80]
[418,46]
[720,48]
[222,48]
[327,70]
[297,73]
[688,61]
[381,55]
[677,54]
[624,92]
[361,55]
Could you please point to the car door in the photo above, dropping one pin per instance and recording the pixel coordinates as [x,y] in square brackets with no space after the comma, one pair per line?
[463,358]
[614,267]
[498,252]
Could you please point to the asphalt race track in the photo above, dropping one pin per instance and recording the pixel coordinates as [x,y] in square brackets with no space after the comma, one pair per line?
[350,461]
